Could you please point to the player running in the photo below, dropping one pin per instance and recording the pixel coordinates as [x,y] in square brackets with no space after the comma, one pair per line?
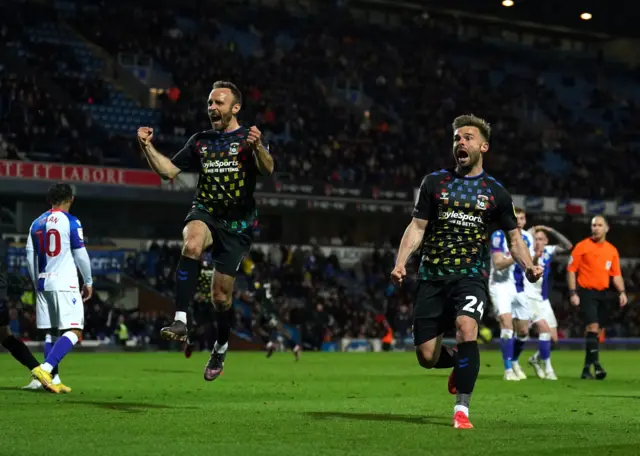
[228,159]
[268,325]
[507,290]
[450,225]
[55,247]
[538,295]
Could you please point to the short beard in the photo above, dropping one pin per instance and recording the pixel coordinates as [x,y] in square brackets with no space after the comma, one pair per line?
[225,120]
[465,169]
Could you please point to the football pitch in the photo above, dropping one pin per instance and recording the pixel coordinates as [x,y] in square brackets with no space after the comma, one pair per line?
[326,404]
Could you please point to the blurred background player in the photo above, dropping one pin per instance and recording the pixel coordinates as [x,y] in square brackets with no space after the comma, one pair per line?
[595,261]
[55,246]
[538,295]
[268,324]
[16,347]
[450,225]
[506,285]
[228,159]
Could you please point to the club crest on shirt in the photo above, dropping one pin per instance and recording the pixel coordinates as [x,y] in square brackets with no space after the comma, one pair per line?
[203,149]
[482,202]
[234,148]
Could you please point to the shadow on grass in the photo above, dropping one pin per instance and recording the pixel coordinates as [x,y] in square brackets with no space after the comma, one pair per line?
[384,417]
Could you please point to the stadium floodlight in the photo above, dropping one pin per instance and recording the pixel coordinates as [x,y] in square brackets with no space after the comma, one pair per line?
[507,3]
[586,16]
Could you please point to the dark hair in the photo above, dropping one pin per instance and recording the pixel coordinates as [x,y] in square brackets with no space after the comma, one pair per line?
[469,120]
[237,96]
[59,193]
[519,210]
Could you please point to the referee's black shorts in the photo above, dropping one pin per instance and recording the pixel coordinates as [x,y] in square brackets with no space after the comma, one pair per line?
[595,305]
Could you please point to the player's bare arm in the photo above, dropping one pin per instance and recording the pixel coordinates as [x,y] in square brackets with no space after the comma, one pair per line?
[520,253]
[565,244]
[410,242]
[501,261]
[264,160]
[160,164]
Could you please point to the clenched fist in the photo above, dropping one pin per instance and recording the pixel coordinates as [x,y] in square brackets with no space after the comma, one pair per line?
[254,137]
[398,274]
[534,273]
[145,135]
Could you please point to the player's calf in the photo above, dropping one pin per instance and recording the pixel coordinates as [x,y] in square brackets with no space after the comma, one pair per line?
[60,349]
[507,345]
[222,300]
[435,357]
[196,237]
[17,348]
[522,330]
[467,367]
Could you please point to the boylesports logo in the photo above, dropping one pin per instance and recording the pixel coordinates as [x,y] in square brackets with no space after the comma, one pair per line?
[461,219]
[221,166]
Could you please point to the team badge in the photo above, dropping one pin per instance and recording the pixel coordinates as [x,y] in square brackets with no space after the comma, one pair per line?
[234,148]
[482,202]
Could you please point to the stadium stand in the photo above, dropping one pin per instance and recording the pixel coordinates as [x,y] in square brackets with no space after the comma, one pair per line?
[329,97]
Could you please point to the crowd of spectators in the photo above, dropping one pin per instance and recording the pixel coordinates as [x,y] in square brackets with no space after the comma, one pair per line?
[315,296]
[417,78]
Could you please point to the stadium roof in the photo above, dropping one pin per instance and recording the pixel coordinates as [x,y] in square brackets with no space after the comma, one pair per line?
[611,17]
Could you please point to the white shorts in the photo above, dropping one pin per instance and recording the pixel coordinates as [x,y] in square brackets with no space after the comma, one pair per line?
[507,300]
[542,310]
[59,309]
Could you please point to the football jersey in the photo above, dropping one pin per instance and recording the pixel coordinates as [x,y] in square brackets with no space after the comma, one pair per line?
[459,210]
[512,275]
[523,284]
[227,173]
[52,238]
[540,289]
[503,276]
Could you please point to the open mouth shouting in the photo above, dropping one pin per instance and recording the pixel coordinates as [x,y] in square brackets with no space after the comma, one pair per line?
[463,157]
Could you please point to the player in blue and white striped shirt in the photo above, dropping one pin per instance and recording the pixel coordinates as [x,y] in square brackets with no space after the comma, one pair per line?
[538,295]
[55,251]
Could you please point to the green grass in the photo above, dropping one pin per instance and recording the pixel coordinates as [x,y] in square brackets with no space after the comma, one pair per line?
[327,404]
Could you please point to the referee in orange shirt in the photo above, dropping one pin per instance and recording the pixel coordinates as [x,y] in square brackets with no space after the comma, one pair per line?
[595,261]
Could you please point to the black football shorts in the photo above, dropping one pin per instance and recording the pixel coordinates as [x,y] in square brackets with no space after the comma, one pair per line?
[439,302]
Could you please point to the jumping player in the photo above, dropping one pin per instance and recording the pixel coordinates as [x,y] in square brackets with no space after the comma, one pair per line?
[450,225]
[228,159]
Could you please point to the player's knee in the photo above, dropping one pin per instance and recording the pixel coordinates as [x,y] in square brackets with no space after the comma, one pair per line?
[467,329]
[427,356]
[543,326]
[221,300]
[192,246]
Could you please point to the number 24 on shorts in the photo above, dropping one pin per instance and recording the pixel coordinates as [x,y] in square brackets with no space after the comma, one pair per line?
[473,306]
